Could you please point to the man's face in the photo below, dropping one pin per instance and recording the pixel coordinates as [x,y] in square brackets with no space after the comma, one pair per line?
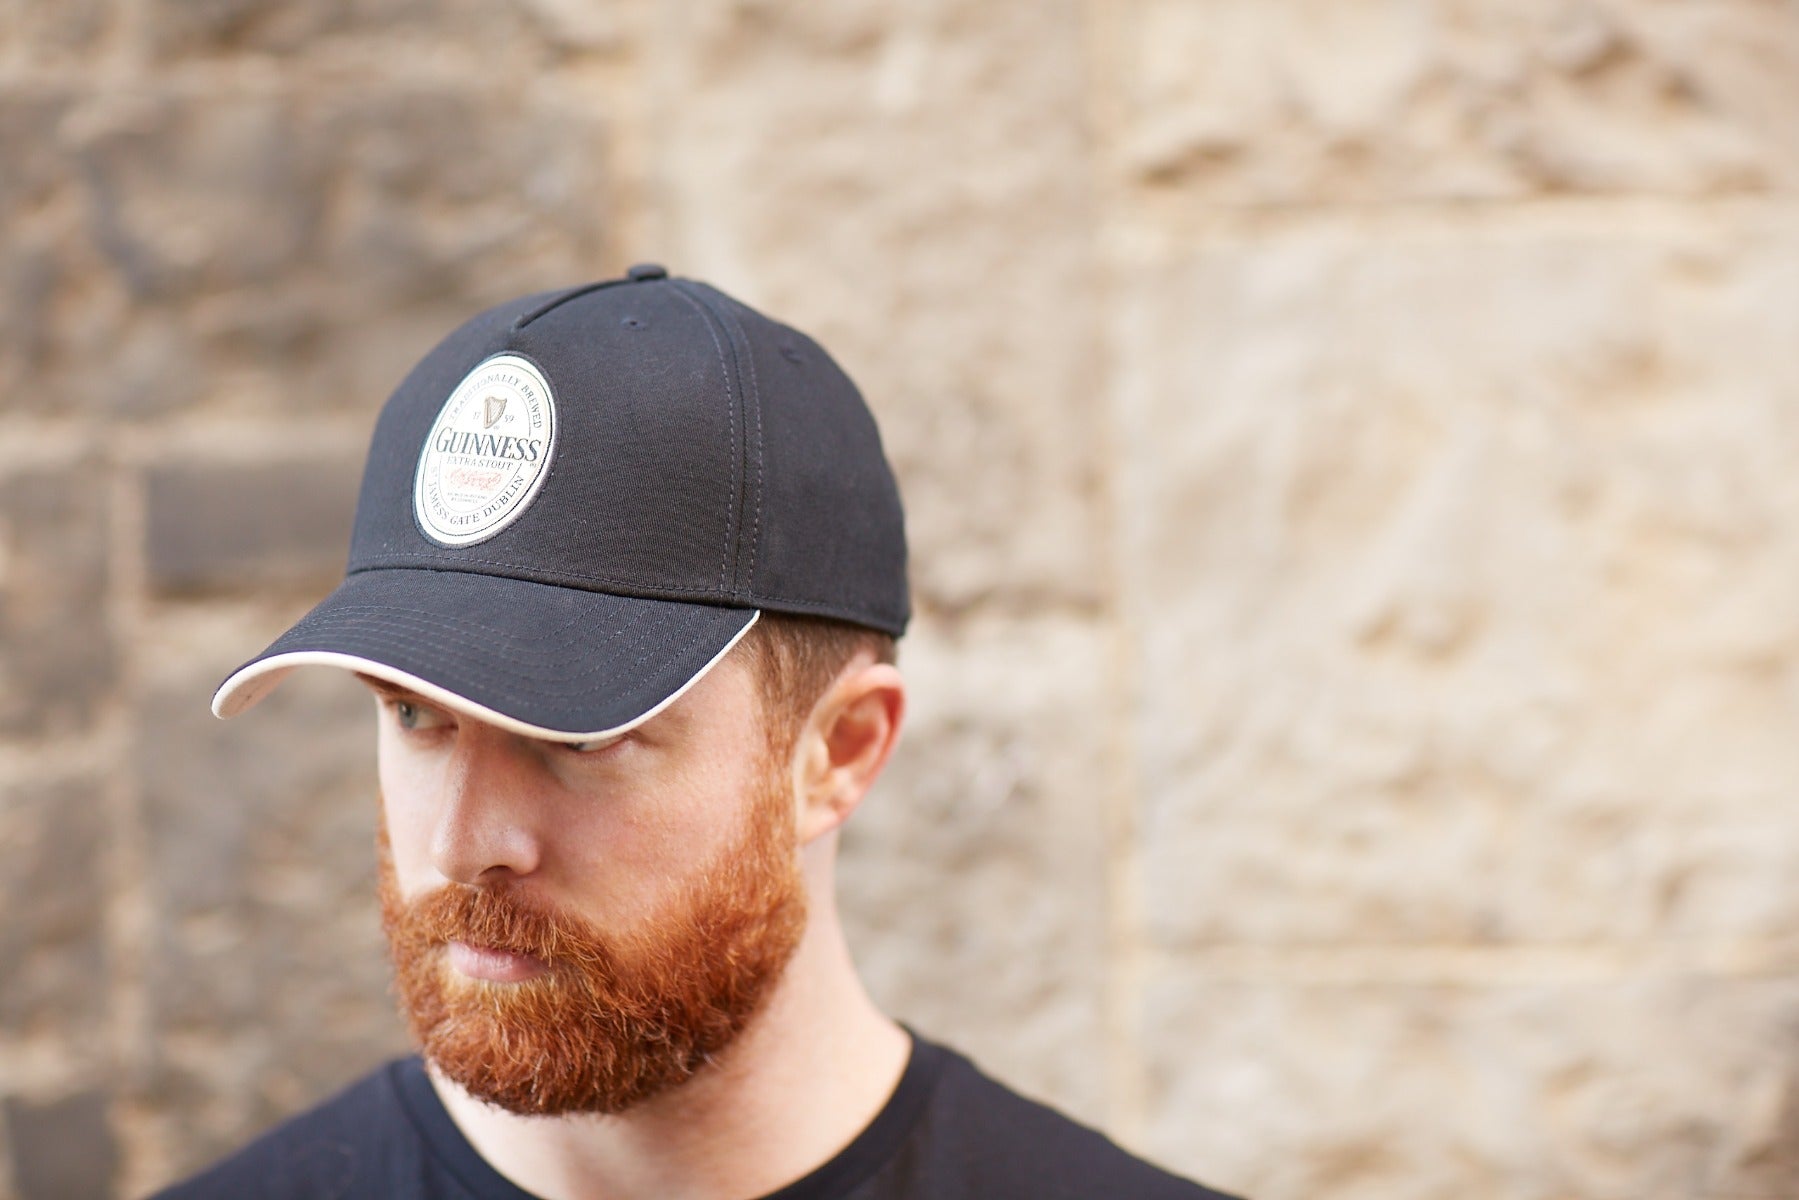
[577,929]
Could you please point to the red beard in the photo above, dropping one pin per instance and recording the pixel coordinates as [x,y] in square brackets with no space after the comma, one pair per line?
[615,1019]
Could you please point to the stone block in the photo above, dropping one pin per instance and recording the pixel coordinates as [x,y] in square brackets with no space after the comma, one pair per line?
[266,979]
[301,28]
[576,26]
[440,202]
[71,341]
[973,879]
[1658,1088]
[1249,102]
[175,28]
[914,189]
[199,193]
[213,527]
[35,191]
[29,275]
[1460,560]
[62,1149]
[53,940]
[57,658]
[484,193]
[36,167]
[54,33]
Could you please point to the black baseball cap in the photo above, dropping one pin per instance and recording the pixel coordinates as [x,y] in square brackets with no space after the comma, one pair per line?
[580,500]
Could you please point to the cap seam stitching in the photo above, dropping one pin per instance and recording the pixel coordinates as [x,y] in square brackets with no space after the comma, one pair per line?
[572,294]
[735,520]
[745,580]
[439,638]
[617,633]
[498,688]
[490,562]
[754,598]
[436,635]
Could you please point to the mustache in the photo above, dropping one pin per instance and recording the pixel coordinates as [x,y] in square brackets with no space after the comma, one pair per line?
[499,917]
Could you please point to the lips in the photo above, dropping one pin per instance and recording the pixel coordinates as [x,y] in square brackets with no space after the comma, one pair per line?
[494,965]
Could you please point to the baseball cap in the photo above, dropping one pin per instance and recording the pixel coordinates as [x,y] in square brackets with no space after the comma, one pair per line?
[580,500]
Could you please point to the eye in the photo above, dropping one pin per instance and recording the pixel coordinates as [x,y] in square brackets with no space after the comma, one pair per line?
[595,745]
[415,717]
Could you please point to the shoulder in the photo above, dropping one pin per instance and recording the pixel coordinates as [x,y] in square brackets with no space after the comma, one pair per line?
[351,1145]
[1002,1144]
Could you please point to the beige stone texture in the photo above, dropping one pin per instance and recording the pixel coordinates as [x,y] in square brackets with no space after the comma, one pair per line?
[1348,450]
[1012,809]
[1534,1089]
[1497,550]
[1275,102]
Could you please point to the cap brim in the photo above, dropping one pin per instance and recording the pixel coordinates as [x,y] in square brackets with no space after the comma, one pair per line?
[540,660]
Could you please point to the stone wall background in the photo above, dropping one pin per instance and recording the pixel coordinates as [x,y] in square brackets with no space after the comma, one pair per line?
[1349,450]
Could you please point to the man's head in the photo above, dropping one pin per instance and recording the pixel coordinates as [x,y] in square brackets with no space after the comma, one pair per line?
[626,574]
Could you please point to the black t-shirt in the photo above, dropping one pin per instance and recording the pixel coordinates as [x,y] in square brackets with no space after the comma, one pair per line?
[947,1133]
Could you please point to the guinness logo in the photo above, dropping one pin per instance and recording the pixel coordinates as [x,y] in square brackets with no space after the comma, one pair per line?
[486,454]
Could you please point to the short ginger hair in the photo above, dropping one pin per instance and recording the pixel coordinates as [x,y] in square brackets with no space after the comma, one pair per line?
[795,659]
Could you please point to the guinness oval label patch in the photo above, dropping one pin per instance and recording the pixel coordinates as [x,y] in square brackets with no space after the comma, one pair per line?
[487,454]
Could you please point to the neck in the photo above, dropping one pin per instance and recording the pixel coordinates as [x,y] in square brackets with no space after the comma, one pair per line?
[808,1074]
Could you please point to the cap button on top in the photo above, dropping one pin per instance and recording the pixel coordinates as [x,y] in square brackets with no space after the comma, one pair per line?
[645,271]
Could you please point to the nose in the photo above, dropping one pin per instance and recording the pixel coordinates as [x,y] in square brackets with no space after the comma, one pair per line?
[487,824]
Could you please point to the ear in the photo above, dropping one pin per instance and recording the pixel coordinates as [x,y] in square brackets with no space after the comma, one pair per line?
[850,734]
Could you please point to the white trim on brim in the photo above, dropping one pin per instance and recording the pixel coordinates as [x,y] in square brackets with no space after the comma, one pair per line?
[246,688]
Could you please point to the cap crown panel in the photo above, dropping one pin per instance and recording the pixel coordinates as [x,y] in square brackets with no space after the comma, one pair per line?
[821,456]
[638,498]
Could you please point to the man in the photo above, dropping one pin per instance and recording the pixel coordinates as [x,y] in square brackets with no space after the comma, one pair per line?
[627,569]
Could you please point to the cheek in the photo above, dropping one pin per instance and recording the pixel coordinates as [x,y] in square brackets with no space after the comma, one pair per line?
[622,839]
[407,790]
[634,844]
